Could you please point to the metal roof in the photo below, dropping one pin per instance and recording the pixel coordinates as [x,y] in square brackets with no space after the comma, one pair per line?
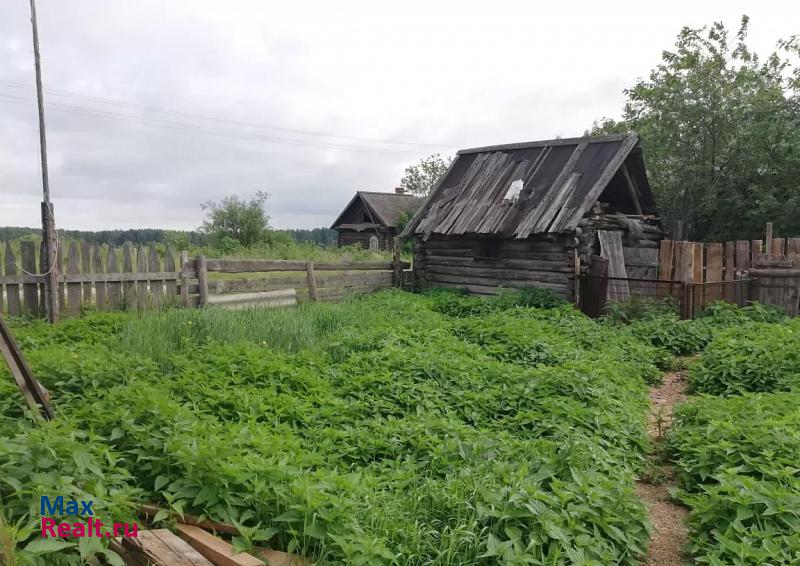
[516,190]
[384,208]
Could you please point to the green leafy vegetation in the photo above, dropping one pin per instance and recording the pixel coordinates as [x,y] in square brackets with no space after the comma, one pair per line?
[758,357]
[394,429]
[737,460]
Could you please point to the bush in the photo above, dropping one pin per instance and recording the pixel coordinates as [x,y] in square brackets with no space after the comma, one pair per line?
[758,357]
[736,460]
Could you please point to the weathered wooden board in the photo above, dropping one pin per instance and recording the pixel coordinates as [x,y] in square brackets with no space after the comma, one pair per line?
[665,260]
[611,249]
[74,290]
[267,299]
[159,547]
[214,549]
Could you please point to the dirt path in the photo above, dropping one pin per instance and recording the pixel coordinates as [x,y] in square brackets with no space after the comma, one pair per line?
[669,535]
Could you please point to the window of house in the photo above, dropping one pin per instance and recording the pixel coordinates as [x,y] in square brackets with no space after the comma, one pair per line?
[489,250]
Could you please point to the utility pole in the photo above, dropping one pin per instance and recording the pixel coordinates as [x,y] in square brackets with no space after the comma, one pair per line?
[50,249]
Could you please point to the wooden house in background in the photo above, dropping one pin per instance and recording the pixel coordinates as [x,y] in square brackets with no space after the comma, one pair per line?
[370,219]
[533,214]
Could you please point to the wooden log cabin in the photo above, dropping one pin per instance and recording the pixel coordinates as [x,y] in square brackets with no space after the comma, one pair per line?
[370,218]
[533,214]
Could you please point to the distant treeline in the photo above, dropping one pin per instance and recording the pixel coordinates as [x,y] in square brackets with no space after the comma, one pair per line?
[178,238]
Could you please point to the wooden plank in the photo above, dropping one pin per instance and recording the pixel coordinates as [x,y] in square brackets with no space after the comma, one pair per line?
[86,267]
[142,300]
[793,251]
[62,297]
[216,550]
[742,255]
[713,273]
[160,547]
[756,252]
[100,294]
[202,279]
[114,288]
[74,290]
[30,291]
[35,395]
[729,267]
[778,247]
[12,290]
[697,267]
[312,282]
[267,299]
[128,287]
[184,259]
[611,249]
[156,284]
[713,262]
[170,286]
[665,257]
[729,272]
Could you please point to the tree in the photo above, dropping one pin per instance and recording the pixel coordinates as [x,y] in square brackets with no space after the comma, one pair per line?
[236,219]
[419,179]
[720,130]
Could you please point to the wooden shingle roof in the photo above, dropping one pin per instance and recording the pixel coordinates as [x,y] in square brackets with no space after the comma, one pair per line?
[517,190]
[384,208]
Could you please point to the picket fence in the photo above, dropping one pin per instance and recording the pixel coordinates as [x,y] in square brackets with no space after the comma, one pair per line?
[109,278]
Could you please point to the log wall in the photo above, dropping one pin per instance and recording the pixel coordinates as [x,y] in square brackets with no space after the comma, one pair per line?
[546,263]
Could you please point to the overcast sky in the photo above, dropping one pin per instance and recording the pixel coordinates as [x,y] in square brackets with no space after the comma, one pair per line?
[156,106]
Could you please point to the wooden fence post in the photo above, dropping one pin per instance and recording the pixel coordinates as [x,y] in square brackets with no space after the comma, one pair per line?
[114,287]
[185,279]
[202,280]
[312,282]
[397,266]
[171,286]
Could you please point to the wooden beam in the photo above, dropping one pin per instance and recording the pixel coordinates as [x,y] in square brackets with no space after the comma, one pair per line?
[158,547]
[35,395]
[214,549]
[632,189]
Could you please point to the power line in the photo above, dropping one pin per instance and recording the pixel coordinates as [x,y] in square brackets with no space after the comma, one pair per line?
[188,126]
[133,105]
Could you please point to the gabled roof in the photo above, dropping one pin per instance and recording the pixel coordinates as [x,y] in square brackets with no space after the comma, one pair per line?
[384,208]
[516,190]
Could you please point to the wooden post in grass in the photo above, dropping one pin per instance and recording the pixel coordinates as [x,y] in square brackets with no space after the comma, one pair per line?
[312,282]
[185,279]
[397,266]
[202,280]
